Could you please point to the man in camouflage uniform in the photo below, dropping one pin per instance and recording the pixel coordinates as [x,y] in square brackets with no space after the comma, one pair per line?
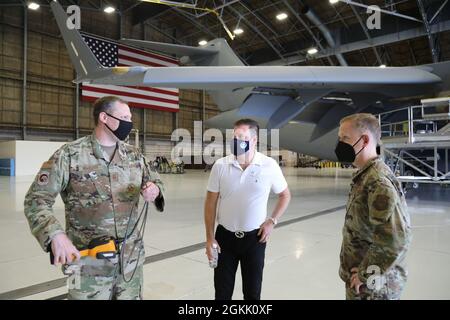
[99,178]
[377,231]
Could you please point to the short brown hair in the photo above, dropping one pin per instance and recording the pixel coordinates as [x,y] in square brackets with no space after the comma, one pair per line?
[104,105]
[365,121]
[252,124]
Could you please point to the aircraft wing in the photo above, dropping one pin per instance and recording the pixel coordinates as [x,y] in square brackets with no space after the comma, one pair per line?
[363,84]
[334,78]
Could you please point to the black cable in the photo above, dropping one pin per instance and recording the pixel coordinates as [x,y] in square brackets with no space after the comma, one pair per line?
[144,214]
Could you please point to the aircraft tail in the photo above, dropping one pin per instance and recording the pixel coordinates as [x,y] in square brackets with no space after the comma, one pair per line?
[83,60]
[216,52]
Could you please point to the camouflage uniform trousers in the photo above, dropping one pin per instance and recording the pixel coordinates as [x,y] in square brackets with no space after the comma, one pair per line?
[102,280]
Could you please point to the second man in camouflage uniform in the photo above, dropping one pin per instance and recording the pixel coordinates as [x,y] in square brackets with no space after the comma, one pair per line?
[377,231]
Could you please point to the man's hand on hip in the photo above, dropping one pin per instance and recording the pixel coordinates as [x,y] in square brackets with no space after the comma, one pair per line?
[63,250]
[150,192]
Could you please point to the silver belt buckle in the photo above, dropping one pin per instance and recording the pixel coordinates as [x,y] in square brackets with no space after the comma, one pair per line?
[239,234]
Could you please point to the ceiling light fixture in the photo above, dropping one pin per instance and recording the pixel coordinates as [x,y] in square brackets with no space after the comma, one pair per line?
[238,31]
[312,51]
[282,16]
[33,6]
[109,9]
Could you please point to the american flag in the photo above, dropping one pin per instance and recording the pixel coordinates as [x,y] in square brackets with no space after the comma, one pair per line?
[112,54]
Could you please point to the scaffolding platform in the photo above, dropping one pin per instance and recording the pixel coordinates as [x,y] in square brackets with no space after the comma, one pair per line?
[415,142]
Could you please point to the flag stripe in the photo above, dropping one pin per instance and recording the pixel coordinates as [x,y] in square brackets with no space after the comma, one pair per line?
[139,62]
[133,101]
[129,93]
[148,54]
[138,90]
[168,91]
[137,105]
[124,54]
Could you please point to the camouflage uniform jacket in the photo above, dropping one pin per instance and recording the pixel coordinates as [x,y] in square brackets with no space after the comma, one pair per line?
[377,229]
[98,195]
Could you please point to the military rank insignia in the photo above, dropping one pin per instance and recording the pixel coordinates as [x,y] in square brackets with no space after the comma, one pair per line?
[43,178]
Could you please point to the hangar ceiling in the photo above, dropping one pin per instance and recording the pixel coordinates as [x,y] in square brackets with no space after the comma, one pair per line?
[265,38]
[412,31]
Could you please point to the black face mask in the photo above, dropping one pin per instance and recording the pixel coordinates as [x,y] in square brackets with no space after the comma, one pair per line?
[345,152]
[123,130]
[239,147]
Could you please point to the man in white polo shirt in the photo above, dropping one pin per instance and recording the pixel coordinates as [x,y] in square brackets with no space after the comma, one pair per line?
[238,191]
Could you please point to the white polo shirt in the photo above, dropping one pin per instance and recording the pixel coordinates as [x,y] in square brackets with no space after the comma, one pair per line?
[243,194]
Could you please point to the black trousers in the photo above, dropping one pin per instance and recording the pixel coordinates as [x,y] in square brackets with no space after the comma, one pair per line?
[246,250]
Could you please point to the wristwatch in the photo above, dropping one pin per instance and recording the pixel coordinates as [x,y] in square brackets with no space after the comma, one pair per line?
[274,221]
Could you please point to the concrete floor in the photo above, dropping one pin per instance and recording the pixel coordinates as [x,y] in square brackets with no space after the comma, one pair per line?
[302,258]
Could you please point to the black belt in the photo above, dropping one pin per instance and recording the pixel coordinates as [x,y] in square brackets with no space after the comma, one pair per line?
[239,234]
